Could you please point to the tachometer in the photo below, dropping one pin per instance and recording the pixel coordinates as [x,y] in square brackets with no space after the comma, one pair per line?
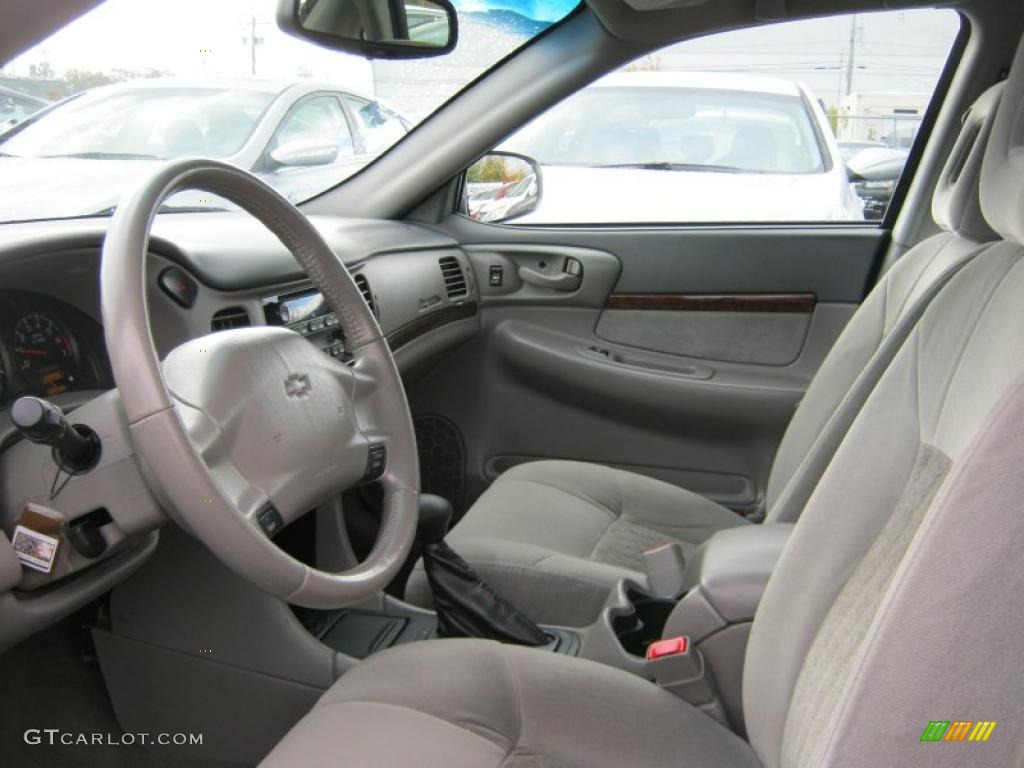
[44,354]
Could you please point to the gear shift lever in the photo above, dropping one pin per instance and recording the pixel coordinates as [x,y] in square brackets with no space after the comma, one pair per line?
[435,517]
[466,605]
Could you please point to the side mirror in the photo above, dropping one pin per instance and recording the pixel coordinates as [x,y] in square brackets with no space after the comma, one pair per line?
[376,29]
[303,154]
[502,186]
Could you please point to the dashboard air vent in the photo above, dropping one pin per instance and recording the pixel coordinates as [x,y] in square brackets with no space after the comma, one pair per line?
[232,317]
[364,288]
[454,279]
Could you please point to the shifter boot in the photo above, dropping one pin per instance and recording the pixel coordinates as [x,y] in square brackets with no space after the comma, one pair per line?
[467,606]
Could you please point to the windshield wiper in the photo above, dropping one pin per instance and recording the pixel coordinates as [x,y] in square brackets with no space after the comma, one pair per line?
[102,156]
[666,166]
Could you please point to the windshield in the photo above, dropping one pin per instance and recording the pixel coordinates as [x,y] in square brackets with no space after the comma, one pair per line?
[143,123]
[136,82]
[660,127]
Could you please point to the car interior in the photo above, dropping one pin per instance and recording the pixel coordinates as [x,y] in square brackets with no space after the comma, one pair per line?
[373,481]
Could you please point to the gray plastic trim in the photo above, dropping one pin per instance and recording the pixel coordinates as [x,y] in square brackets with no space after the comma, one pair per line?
[730,572]
[116,484]
[600,273]
[10,568]
[832,262]
[241,713]
[23,614]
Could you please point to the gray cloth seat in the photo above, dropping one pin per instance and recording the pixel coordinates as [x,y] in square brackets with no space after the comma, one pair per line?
[454,703]
[553,537]
[895,603]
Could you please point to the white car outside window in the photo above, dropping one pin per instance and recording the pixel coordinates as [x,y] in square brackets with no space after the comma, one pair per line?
[661,147]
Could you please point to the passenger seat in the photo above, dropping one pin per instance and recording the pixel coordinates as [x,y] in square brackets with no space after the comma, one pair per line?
[554,536]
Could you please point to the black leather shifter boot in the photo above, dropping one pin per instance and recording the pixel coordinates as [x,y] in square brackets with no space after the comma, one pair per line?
[466,605]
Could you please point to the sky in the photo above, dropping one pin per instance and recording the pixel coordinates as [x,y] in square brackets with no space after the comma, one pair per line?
[190,38]
[895,51]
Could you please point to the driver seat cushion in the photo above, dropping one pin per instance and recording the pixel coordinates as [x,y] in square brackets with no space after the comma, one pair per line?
[476,703]
[554,537]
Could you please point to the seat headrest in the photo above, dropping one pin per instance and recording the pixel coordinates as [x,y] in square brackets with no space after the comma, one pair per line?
[956,204]
[1002,173]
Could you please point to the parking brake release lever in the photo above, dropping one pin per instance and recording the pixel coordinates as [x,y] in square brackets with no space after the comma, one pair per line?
[76,448]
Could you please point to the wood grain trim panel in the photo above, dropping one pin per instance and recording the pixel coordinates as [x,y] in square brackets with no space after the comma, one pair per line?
[799,303]
[429,322]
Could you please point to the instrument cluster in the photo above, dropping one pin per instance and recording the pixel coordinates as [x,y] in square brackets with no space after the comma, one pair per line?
[48,348]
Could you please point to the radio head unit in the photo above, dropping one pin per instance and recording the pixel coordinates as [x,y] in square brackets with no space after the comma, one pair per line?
[307,312]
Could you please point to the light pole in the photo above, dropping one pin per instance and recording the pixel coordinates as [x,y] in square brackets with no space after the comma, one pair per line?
[252,40]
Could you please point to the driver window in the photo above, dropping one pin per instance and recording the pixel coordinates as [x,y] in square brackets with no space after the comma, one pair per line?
[800,122]
[317,121]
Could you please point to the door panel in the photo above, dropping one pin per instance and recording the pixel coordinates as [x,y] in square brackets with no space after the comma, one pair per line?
[681,354]
[739,337]
[694,386]
[766,329]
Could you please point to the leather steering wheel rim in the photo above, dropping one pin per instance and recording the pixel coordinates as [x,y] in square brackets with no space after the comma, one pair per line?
[220,459]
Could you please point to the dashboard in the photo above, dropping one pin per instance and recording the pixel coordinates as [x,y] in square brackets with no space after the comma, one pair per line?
[48,348]
[205,273]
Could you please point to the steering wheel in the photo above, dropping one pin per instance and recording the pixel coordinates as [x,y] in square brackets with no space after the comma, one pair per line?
[243,431]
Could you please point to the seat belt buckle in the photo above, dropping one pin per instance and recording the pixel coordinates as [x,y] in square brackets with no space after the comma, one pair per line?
[671,646]
[665,565]
[677,666]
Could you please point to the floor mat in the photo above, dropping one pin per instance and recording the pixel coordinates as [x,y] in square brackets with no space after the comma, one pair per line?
[45,684]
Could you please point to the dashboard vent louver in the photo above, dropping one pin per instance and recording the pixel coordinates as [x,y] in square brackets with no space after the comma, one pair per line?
[364,288]
[232,317]
[454,278]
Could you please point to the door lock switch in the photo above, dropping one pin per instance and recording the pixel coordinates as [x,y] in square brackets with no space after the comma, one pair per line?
[496,276]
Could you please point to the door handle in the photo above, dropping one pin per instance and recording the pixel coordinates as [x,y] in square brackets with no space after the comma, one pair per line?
[569,279]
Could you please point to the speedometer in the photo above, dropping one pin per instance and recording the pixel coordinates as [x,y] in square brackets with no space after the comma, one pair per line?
[44,354]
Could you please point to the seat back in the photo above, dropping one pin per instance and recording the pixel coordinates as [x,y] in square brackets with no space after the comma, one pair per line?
[881,324]
[897,601]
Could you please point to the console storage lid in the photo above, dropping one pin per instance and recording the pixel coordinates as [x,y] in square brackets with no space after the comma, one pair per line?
[725,578]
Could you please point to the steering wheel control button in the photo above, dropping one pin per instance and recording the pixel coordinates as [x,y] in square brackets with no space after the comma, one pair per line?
[672,646]
[181,288]
[376,461]
[270,520]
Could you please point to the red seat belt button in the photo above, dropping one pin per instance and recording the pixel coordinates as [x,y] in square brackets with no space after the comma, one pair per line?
[671,646]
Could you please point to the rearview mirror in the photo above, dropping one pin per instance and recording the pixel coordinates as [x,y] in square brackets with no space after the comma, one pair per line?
[384,29]
[502,186]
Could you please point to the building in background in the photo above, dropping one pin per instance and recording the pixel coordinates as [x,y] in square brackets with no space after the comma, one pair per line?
[884,118]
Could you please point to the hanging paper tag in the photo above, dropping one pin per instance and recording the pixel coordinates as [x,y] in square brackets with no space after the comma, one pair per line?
[34,550]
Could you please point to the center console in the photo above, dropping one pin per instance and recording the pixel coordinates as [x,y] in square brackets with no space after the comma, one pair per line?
[361,632]
[721,586]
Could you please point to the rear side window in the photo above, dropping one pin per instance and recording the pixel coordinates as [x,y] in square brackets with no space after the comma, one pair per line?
[806,122]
